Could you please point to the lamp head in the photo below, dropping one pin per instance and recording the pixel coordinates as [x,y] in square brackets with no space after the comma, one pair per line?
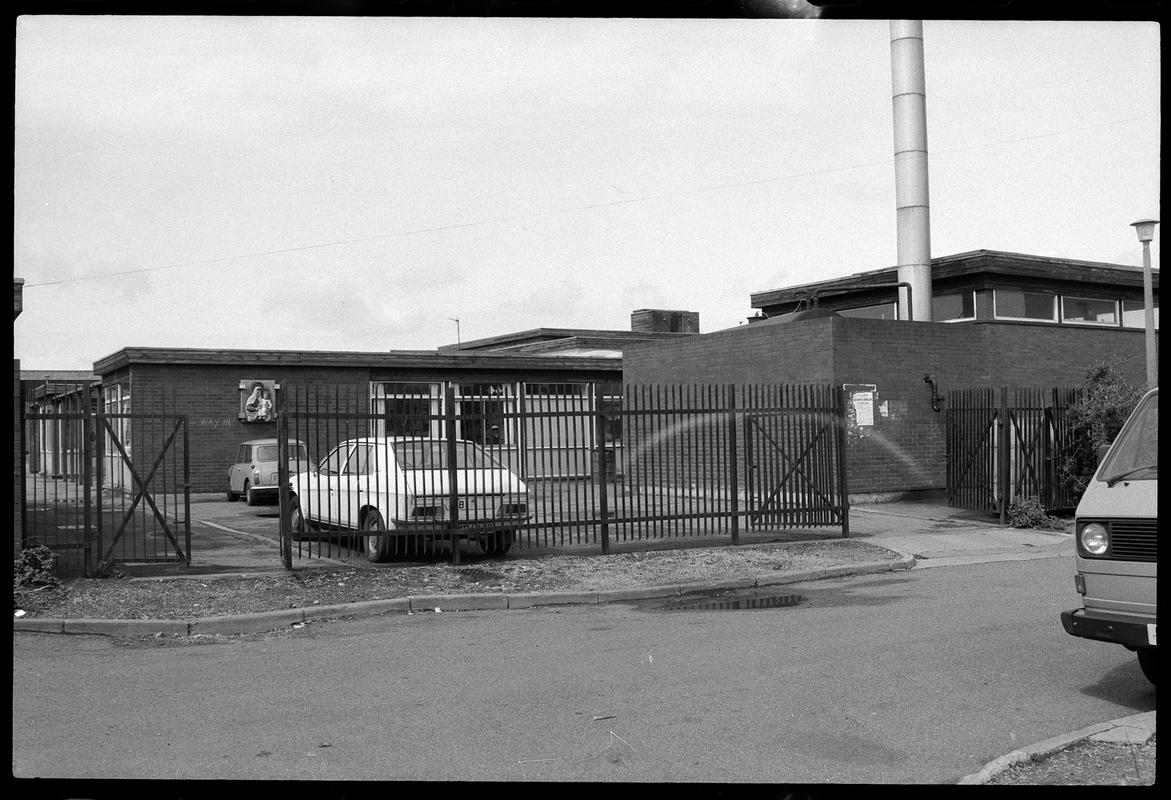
[1145,228]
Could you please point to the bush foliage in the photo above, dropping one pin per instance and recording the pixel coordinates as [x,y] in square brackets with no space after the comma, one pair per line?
[34,568]
[1027,512]
[1094,419]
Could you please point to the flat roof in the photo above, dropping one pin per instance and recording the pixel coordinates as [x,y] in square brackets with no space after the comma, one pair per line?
[975,261]
[542,336]
[377,360]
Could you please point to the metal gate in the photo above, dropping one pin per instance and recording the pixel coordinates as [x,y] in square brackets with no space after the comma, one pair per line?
[106,488]
[795,441]
[1008,444]
[597,466]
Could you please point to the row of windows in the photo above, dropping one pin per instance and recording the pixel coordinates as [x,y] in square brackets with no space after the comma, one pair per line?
[1008,304]
[487,413]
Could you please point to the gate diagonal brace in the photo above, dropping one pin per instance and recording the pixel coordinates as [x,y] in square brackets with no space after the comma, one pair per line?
[795,466]
[140,493]
[1028,449]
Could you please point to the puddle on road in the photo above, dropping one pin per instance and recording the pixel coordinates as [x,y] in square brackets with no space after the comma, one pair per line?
[863,593]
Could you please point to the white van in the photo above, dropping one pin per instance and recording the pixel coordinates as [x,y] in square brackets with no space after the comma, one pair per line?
[1116,528]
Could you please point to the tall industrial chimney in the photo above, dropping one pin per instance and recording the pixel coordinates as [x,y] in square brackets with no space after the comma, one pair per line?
[909,95]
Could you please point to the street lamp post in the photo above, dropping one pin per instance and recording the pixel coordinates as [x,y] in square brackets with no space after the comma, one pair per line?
[1146,232]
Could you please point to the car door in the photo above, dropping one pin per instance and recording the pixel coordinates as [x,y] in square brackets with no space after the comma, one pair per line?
[351,488]
[325,496]
[240,468]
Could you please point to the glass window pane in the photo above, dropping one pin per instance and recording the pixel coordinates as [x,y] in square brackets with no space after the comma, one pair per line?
[953,306]
[359,461]
[1089,311]
[1024,305]
[334,461]
[1133,316]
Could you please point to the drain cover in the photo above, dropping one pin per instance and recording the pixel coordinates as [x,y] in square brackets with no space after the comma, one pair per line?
[732,602]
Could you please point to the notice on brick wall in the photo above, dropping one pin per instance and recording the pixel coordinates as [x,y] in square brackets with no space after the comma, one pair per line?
[861,399]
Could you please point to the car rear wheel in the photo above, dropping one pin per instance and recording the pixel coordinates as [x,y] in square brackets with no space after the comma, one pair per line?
[377,547]
[232,496]
[496,543]
[249,495]
[1146,660]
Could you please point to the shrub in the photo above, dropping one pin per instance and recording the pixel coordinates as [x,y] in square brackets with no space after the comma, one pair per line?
[108,569]
[1094,419]
[1027,512]
[34,568]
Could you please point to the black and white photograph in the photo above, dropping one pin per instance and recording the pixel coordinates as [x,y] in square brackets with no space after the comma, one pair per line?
[747,395]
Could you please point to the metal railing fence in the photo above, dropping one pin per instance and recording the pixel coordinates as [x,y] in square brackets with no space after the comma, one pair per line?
[560,470]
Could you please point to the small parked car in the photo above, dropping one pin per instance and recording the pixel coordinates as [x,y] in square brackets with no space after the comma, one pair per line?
[254,472]
[400,487]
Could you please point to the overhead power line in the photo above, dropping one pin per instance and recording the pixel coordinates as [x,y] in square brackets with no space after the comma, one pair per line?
[567,210]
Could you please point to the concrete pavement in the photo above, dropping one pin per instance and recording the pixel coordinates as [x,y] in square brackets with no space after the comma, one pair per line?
[925,534]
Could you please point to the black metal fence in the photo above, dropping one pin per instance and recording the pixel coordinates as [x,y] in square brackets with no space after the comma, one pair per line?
[105,487]
[1010,443]
[556,465]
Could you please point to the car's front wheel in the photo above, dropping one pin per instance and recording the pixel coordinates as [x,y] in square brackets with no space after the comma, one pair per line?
[496,543]
[377,546]
[1146,660]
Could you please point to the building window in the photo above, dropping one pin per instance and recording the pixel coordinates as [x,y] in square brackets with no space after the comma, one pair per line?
[953,307]
[555,389]
[1133,316]
[1089,311]
[406,409]
[1030,306]
[879,311]
[116,400]
[480,410]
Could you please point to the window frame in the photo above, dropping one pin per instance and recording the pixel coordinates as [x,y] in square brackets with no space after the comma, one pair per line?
[1142,308]
[971,293]
[1090,323]
[1054,309]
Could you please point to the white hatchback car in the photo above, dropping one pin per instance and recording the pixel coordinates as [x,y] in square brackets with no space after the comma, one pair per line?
[400,487]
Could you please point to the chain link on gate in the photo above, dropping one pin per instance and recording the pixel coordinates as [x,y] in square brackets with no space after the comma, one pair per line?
[402,470]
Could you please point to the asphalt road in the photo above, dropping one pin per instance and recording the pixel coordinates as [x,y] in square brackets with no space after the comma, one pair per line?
[914,677]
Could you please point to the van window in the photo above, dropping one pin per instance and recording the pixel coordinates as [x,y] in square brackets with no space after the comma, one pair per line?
[1135,453]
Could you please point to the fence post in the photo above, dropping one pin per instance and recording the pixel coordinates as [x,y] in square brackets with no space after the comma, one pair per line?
[1003,465]
[452,473]
[100,478]
[840,427]
[600,473]
[186,490]
[286,517]
[86,479]
[733,463]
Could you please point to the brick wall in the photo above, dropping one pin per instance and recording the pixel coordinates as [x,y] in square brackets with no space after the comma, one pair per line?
[210,397]
[905,449]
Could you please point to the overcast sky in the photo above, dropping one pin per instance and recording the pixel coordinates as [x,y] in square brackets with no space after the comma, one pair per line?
[354,184]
